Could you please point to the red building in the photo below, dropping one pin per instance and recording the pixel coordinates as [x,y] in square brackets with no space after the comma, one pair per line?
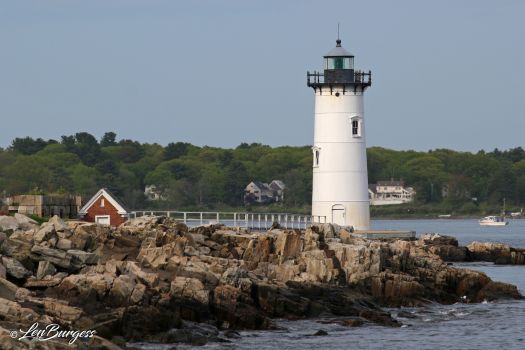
[104,208]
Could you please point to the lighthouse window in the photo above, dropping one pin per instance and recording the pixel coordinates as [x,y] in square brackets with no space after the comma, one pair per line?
[355,127]
[316,152]
[338,63]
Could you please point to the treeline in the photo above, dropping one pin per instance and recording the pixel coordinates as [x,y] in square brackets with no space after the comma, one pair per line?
[186,176]
[190,177]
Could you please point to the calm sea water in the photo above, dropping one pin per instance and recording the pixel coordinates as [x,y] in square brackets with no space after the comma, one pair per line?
[498,325]
[465,231]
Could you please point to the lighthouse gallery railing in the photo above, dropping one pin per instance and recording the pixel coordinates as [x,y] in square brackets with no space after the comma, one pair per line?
[359,78]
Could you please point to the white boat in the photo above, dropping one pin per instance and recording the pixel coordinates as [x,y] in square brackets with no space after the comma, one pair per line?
[493,221]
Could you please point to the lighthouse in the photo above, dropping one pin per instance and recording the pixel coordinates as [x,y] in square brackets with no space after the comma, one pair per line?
[340,179]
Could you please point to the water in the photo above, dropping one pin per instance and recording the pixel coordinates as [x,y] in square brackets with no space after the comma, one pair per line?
[465,230]
[497,325]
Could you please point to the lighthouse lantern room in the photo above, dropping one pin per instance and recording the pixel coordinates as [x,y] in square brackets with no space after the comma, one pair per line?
[340,180]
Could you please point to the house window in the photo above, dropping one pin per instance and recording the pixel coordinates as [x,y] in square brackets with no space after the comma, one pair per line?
[317,154]
[102,203]
[356,127]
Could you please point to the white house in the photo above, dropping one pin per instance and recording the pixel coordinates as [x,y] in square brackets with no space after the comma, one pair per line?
[153,193]
[390,192]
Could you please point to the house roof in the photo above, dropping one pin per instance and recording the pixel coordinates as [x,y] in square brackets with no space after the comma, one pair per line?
[277,184]
[338,51]
[261,185]
[107,194]
[372,188]
[391,183]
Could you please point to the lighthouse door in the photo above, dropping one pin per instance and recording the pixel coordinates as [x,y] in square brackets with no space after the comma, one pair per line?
[338,214]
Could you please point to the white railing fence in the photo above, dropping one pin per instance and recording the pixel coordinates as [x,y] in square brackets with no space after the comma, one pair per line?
[261,221]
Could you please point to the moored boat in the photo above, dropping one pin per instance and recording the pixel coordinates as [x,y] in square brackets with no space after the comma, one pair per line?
[493,221]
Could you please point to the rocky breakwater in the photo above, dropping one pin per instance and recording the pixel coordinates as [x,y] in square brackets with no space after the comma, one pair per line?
[448,249]
[153,279]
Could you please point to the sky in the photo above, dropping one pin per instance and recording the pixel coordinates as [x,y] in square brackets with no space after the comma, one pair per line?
[446,74]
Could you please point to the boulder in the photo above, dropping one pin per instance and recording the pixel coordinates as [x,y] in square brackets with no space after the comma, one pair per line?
[497,253]
[438,239]
[64,244]
[7,289]
[46,232]
[81,237]
[83,258]
[8,223]
[497,290]
[14,268]
[56,256]
[312,238]
[46,281]
[259,249]
[289,244]
[190,289]
[11,311]
[62,311]
[58,224]
[157,257]
[18,249]
[121,290]
[2,270]
[25,223]
[131,268]
[45,268]
[396,288]
[85,288]
[138,293]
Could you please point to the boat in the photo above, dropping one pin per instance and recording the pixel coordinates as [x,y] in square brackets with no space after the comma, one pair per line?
[493,221]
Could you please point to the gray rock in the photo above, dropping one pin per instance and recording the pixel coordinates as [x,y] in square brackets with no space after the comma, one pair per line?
[7,289]
[45,268]
[80,237]
[8,223]
[46,282]
[83,257]
[3,237]
[122,289]
[64,234]
[64,244]
[56,256]
[438,239]
[15,268]
[25,222]
[46,232]
[58,223]
[327,230]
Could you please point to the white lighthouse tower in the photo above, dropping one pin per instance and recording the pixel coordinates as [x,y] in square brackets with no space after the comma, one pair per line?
[340,180]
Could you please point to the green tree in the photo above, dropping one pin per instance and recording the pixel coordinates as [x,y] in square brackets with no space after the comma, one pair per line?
[109,139]
[427,174]
[28,145]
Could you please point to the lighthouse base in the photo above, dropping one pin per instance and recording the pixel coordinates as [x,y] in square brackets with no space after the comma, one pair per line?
[355,214]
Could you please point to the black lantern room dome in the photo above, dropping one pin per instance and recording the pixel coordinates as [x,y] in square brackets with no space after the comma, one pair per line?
[339,70]
[338,51]
[338,58]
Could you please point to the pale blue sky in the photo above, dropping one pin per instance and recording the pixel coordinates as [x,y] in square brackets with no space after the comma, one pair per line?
[446,74]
